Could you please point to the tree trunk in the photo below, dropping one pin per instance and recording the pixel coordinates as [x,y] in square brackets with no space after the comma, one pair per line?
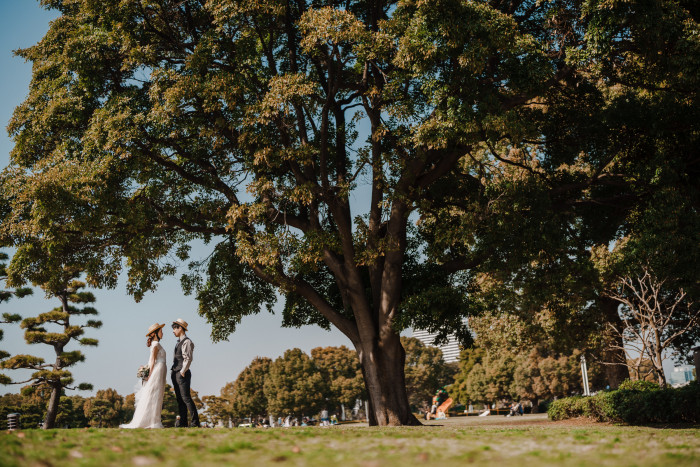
[658,362]
[535,405]
[383,371]
[52,409]
[615,373]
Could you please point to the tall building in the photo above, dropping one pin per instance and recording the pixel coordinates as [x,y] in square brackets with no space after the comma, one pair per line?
[450,351]
[681,375]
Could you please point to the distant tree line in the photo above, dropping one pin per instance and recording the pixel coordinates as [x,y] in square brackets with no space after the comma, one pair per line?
[106,409]
[299,384]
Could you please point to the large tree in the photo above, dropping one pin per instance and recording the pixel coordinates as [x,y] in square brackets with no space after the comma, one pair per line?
[614,156]
[149,124]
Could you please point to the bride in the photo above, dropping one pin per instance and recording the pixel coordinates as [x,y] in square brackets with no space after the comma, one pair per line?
[149,399]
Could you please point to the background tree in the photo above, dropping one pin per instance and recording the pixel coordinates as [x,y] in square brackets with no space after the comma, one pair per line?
[218,410]
[468,358]
[535,375]
[71,412]
[653,319]
[294,385]
[170,411]
[426,372]
[54,377]
[247,394]
[342,374]
[129,407]
[199,405]
[105,409]
[542,375]
[642,369]
[31,405]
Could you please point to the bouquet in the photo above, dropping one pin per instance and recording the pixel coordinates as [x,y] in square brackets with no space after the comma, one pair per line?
[143,372]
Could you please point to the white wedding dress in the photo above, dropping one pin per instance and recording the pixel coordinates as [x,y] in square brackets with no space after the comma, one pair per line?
[149,399]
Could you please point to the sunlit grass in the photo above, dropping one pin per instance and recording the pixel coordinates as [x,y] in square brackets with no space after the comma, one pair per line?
[454,443]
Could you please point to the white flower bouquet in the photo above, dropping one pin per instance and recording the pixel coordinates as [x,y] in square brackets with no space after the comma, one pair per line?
[143,372]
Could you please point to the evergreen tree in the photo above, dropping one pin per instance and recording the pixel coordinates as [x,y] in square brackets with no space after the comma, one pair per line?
[6,295]
[54,377]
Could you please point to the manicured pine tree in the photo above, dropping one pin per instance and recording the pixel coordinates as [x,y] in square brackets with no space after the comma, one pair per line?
[54,376]
[6,295]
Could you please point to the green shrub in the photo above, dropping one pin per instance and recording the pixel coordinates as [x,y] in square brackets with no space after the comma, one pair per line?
[634,404]
[570,407]
[639,385]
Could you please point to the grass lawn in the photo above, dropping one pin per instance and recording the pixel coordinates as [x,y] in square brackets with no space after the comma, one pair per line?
[490,441]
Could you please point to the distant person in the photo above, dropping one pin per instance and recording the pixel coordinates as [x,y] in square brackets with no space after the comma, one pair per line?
[324,417]
[516,408]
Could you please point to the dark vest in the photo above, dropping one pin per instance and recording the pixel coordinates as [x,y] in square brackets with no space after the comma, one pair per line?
[178,359]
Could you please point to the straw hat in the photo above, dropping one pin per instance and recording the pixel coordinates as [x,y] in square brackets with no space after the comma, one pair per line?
[154,328]
[181,322]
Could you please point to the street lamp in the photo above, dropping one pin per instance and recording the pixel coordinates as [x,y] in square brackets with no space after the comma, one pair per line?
[584,374]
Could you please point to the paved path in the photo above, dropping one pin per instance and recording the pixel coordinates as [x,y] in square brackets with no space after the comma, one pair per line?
[530,419]
[490,420]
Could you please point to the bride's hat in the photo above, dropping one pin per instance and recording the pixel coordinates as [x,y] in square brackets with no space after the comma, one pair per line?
[154,328]
[181,322]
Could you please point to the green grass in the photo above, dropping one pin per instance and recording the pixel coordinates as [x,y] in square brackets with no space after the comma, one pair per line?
[458,441]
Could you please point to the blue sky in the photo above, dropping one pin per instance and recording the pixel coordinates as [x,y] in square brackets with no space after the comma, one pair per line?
[122,350]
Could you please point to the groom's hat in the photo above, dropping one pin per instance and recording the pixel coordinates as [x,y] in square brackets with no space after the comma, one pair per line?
[181,322]
[154,328]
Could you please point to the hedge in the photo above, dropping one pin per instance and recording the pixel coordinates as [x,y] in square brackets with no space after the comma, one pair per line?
[634,403]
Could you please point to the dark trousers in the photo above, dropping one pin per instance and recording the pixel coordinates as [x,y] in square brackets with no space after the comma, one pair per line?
[181,385]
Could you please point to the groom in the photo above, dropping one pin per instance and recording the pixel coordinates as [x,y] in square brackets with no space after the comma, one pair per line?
[181,375]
